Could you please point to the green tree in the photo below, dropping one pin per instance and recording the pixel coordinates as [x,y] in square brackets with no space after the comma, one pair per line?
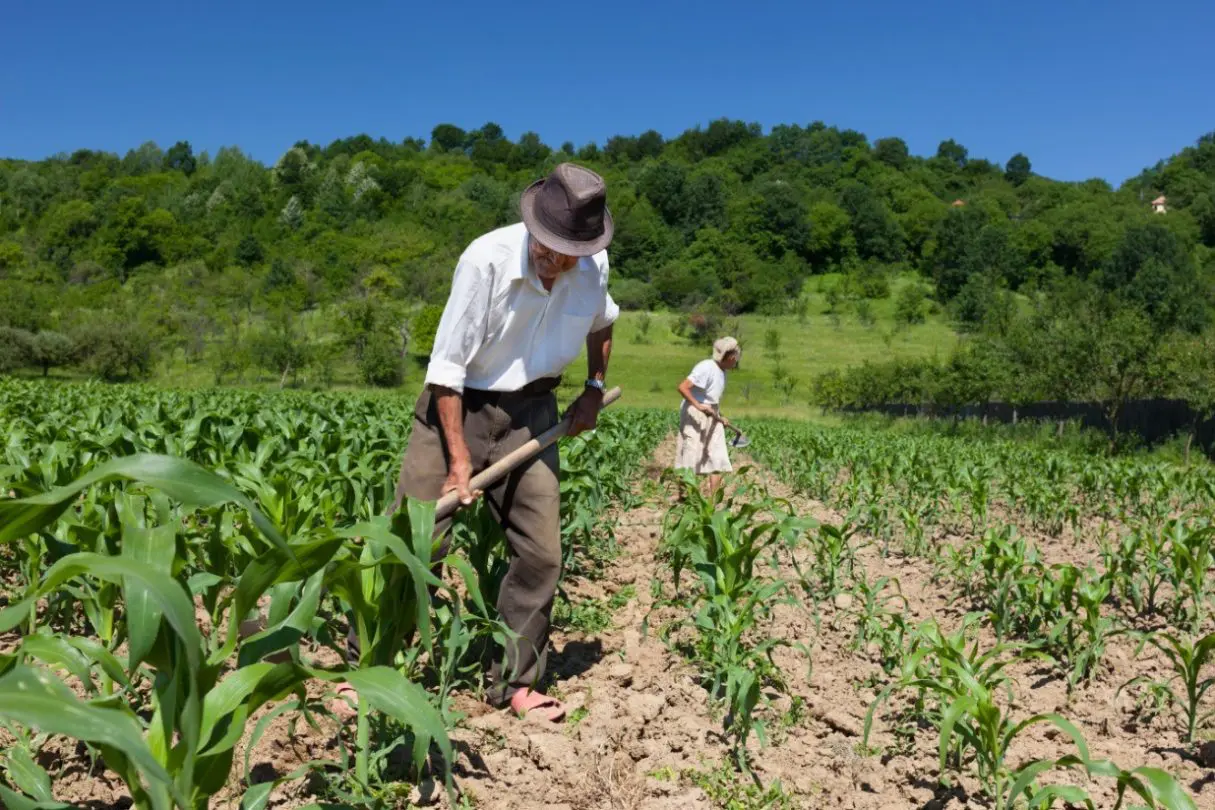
[281,348]
[128,238]
[969,245]
[448,138]
[117,349]
[1188,365]
[877,233]
[1152,270]
[892,151]
[52,350]
[180,158]
[1017,170]
[381,364]
[16,349]
[952,153]
[249,250]
[1125,362]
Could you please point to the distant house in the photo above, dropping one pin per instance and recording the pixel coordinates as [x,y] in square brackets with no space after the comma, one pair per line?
[1160,204]
[958,203]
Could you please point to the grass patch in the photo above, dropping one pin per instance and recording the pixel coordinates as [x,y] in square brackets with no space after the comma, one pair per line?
[730,790]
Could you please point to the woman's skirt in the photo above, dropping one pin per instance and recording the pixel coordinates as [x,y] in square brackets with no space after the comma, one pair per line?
[701,446]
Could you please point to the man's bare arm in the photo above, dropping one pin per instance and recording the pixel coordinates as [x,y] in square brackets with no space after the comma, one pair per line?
[450,405]
[585,409]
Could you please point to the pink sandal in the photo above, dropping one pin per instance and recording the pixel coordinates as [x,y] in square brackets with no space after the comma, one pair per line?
[526,701]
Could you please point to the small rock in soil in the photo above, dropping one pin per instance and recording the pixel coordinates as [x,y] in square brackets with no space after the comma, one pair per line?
[622,673]
[843,601]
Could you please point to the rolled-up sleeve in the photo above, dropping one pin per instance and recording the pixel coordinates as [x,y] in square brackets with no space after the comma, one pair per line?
[462,328]
[608,310]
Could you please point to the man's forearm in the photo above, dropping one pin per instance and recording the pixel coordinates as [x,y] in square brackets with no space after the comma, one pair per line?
[450,405]
[598,352]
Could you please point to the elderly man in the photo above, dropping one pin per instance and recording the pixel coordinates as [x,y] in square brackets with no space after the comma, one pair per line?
[524,300]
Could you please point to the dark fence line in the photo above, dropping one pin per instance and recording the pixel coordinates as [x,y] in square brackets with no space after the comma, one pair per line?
[1154,420]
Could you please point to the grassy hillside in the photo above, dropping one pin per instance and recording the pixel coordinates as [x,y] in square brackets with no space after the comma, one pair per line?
[649,366]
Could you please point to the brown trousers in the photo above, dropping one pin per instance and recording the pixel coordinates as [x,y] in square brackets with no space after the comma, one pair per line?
[527,503]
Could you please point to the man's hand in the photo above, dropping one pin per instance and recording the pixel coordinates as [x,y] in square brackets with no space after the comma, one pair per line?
[459,473]
[707,410]
[585,411]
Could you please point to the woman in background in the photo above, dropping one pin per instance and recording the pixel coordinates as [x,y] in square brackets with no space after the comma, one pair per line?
[702,437]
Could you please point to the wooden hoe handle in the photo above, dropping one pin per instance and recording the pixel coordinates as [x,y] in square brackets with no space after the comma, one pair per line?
[492,474]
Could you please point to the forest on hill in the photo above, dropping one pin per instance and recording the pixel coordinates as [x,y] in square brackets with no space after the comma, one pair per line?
[109,262]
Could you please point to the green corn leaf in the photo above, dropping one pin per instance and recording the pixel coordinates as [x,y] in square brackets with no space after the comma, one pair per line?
[227,697]
[242,693]
[270,568]
[36,699]
[1062,723]
[257,796]
[287,633]
[15,801]
[157,548]
[170,597]
[181,480]
[390,692]
[54,651]
[1164,789]
[101,657]
[1025,778]
[27,776]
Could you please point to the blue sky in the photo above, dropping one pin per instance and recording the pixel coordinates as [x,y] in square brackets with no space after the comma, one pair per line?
[1085,88]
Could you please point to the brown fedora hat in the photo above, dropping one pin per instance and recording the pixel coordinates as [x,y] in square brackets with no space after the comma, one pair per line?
[567,211]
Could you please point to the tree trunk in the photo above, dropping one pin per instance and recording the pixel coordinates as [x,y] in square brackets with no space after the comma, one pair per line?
[1014,415]
[1189,440]
[283,381]
[1059,429]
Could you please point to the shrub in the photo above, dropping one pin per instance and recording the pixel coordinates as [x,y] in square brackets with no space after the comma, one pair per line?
[633,294]
[700,327]
[910,305]
[114,350]
[52,350]
[381,364]
[15,349]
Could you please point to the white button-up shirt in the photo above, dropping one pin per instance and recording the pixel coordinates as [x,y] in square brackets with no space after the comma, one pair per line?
[502,330]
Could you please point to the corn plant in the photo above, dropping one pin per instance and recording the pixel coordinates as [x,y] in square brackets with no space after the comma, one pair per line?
[1078,633]
[1187,687]
[973,726]
[1138,566]
[721,538]
[879,608]
[183,754]
[1192,553]
[834,551]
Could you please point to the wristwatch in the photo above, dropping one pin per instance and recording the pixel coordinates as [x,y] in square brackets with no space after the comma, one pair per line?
[593,383]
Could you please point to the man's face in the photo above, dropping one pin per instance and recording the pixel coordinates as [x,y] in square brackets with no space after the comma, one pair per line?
[549,263]
[730,360]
